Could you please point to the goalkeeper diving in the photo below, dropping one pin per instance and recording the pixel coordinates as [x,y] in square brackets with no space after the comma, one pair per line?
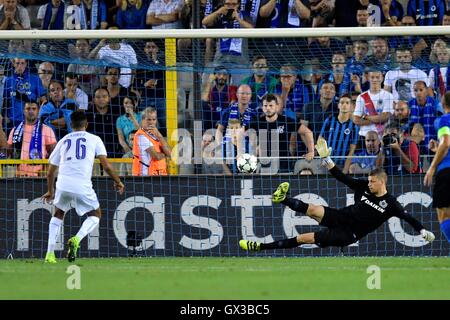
[373,206]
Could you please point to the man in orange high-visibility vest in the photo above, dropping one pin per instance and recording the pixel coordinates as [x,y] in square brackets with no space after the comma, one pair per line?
[150,149]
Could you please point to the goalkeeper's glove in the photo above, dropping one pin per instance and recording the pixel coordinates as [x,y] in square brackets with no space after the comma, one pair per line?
[324,152]
[427,235]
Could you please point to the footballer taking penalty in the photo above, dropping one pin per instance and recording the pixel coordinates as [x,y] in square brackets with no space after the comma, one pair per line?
[74,155]
[373,206]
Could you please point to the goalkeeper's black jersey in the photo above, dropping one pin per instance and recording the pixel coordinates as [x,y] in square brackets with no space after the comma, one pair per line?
[369,211]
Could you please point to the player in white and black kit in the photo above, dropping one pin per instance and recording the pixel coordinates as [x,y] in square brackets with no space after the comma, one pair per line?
[373,206]
[74,155]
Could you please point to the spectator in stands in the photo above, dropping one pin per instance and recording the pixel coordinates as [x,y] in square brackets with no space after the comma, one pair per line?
[424,110]
[230,52]
[362,15]
[22,86]
[390,11]
[72,91]
[439,77]
[260,82]
[373,107]
[341,133]
[102,119]
[164,14]
[405,74]
[337,76]
[56,112]
[150,81]
[400,155]
[284,131]
[416,43]
[15,46]
[129,121]
[381,57]
[211,164]
[325,48]
[115,52]
[345,12]
[46,71]
[150,149]
[217,94]
[126,169]
[438,44]
[240,113]
[365,160]
[401,115]
[132,14]
[425,12]
[31,139]
[293,94]
[88,74]
[315,112]
[283,14]
[286,14]
[354,70]
[115,89]
[51,15]
[14,16]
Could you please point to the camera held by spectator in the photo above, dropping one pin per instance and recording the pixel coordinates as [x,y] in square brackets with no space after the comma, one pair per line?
[389,139]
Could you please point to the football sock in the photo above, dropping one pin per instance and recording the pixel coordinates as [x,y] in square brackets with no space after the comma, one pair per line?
[54,228]
[88,225]
[296,205]
[445,228]
[286,243]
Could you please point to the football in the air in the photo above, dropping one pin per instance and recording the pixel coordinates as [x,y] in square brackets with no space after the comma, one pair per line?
[247,163]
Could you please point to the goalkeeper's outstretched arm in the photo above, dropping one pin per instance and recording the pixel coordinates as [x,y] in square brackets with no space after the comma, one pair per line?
[402,214]
[324,153]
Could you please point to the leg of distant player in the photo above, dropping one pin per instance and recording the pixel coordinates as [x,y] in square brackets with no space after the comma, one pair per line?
[87,227]
[313,211]
[444,221]
[54,228]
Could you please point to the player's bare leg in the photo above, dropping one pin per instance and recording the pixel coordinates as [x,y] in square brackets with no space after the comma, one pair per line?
[87,227]
[54,228]
[444,220]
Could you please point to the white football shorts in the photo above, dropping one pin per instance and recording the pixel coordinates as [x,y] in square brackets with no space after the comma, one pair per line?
[83,203]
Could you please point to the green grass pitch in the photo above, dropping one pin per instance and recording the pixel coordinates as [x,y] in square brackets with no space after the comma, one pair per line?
[228,278]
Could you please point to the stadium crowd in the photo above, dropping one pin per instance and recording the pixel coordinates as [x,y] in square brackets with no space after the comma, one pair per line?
[374,100]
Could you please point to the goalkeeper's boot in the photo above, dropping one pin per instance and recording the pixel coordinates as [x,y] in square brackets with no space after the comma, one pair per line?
[50,257]
[280,194]
[74,244]
[250,245]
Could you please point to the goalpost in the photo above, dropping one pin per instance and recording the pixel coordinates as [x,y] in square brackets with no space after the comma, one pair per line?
[188,213]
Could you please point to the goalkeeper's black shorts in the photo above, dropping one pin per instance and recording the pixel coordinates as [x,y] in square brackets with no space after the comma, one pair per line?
[337,232]
[441,198]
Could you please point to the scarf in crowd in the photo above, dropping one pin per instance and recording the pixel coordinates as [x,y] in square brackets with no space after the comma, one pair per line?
[293,20]
[231,45]
[94,14]
[58,23]
[35,151]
